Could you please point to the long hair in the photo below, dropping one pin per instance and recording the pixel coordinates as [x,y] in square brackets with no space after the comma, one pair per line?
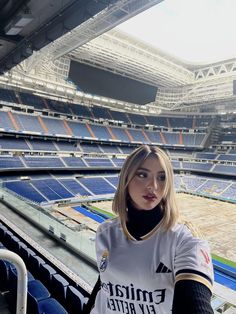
[128,171]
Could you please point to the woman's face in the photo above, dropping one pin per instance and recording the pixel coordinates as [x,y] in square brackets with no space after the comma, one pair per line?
[147,186]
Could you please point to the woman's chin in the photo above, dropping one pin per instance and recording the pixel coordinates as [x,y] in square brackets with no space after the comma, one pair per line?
[149,207]
[145,205]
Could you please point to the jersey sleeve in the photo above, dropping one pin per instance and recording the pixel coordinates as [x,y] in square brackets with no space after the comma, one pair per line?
[193,259]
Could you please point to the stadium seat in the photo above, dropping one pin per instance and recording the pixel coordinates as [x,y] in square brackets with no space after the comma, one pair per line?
[59,284]
[20,246]
[12,286]
[39,299]
[13,277]
[50,306]
[4,275]
[8,238]
[36,293]
[13,243]
[3,230]
[34,264]
[25,254]
[74,300]
[45,273]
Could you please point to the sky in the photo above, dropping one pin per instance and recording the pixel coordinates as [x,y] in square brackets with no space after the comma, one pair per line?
[194,31]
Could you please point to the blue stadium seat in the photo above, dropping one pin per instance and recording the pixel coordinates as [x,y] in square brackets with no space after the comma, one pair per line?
[12,286]
[46,272]
[3,231]
[59,284]
[13,277]
[36,292]
[25,254]
[74,300]
[39,300]
[7,237]
[34,264]
[50,306]
[4,275]
[20,246]
[13,243]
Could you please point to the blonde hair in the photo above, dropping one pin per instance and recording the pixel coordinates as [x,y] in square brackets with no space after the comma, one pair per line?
[128,171]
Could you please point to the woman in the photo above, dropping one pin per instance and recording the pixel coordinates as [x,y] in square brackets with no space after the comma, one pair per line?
[148,262]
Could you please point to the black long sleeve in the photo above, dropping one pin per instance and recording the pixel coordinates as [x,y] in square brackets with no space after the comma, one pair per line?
[191,297]
[89,305]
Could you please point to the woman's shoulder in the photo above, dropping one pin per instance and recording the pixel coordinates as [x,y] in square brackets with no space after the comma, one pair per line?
[187,228]
[109,224]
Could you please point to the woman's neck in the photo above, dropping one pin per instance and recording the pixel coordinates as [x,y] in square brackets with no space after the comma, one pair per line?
[141,221]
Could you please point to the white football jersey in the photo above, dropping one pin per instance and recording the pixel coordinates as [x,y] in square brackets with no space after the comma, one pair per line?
[138,277]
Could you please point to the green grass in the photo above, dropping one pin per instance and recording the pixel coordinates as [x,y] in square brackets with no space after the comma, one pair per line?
[102,211]
[224,260]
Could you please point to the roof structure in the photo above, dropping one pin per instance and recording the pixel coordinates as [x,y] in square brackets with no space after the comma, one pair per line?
[29,25]
[83,31]
[121,53]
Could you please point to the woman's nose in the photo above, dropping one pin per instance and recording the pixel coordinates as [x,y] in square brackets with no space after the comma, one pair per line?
[152,184]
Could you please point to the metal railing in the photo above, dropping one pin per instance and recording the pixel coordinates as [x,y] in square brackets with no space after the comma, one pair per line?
[21,278]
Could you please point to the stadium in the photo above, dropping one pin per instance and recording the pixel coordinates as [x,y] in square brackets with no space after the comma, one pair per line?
[77,95]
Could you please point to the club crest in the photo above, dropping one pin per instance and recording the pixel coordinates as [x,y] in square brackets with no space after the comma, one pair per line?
[104,261]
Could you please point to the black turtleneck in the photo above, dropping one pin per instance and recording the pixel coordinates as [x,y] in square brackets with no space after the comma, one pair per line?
[142,221]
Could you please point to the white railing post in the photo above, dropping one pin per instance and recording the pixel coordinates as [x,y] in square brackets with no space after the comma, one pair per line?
[21,278]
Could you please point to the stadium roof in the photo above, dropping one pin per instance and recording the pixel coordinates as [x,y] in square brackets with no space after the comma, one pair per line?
[84,31]
[123,54]
[49,29]
[29,25]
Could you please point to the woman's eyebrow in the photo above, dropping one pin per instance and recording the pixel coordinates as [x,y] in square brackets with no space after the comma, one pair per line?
[145,169]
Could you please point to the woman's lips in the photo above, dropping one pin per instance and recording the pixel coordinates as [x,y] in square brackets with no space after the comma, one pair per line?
[149,197]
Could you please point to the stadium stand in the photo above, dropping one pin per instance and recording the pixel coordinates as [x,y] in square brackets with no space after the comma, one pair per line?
[49,291]
[60,145]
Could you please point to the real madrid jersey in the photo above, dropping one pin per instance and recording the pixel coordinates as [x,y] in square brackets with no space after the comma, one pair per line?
[138,277]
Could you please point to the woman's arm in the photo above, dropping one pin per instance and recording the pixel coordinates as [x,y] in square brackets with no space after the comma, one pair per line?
[90,304]
[191,297]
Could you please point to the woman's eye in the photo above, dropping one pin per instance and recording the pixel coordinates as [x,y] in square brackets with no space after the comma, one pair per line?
[141,175]
[161,178]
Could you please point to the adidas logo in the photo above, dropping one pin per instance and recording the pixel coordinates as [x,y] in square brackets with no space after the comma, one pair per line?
[163,269]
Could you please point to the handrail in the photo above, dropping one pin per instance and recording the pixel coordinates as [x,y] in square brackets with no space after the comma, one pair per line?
[21,278]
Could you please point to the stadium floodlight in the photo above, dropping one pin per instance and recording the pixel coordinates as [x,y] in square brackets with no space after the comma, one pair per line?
[23,20]
[17,24]
[12,30]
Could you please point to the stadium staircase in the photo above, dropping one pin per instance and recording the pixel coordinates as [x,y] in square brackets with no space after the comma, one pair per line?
[213,133]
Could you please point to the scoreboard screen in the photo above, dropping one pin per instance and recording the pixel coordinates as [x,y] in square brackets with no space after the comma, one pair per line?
[104,83]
